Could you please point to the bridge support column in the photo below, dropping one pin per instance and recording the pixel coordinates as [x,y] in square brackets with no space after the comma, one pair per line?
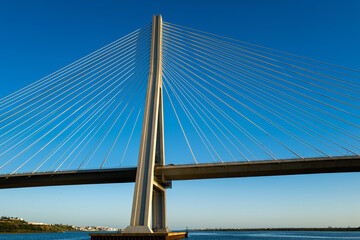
[149,196]
[159,209]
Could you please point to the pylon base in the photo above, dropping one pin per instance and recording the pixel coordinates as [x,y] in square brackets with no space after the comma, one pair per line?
[139,236]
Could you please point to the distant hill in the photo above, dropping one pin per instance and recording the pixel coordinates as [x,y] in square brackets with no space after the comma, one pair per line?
[17,225]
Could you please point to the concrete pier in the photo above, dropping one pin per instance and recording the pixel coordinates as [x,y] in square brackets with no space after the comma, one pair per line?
[139,236]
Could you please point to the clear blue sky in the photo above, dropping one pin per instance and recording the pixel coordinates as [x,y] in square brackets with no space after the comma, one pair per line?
[39,37]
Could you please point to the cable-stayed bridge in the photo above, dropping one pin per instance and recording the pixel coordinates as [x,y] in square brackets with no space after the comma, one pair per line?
[222,107]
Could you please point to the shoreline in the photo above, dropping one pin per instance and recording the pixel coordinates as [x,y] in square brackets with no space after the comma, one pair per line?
[278,229]
[20,232]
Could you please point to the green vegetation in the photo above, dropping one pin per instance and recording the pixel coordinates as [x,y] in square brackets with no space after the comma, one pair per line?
[16,225]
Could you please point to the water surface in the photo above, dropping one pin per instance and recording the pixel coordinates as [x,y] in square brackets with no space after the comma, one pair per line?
[197,235]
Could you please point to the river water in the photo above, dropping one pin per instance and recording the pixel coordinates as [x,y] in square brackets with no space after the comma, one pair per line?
[231,235]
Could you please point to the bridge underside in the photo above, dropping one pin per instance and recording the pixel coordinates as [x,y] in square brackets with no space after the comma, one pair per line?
[187,172]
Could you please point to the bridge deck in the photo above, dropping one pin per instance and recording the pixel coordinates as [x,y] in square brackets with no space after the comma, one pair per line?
[187,172]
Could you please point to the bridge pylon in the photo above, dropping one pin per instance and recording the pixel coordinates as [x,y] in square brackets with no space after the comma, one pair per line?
[149,195]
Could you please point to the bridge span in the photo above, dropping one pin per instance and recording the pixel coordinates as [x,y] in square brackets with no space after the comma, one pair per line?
[186,172]
[231,101]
